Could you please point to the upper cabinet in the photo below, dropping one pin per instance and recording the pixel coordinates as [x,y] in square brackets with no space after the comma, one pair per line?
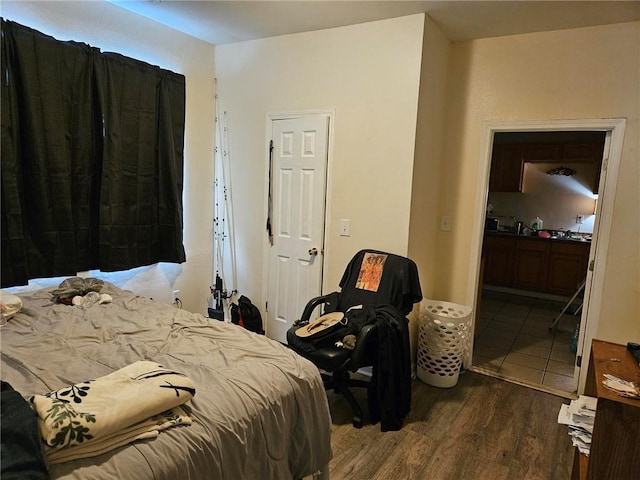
[508,159]
[585,153]
[507,166]
[543,152]
[582,152]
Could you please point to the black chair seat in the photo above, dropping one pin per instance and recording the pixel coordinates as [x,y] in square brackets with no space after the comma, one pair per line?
[329,358]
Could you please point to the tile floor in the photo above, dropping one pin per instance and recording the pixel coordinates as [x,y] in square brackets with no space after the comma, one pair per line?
[514,340]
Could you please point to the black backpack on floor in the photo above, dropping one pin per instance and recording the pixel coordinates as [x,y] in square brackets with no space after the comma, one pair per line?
[247,315]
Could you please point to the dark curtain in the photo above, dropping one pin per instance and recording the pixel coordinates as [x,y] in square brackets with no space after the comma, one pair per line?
[49,143]
[92,159]
[141,201]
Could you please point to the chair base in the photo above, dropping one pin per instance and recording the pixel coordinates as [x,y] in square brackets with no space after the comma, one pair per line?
[340,382]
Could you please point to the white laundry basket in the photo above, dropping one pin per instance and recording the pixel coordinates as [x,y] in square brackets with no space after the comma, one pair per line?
[444,337]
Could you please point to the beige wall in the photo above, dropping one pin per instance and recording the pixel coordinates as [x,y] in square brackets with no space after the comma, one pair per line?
[429,164]
[586,73]
[112,28]
[369,75]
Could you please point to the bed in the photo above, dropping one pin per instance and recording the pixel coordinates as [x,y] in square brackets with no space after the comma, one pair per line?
[260,410]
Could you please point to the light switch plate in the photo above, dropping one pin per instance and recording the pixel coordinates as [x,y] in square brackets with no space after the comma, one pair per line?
[345,227]
[445,223]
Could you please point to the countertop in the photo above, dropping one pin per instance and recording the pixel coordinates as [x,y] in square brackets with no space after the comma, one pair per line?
[535,237]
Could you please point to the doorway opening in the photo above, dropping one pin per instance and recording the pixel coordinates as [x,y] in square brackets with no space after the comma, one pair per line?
[538,229]
[526,329]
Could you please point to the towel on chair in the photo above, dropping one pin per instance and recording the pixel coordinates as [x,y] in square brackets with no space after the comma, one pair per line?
[99,415]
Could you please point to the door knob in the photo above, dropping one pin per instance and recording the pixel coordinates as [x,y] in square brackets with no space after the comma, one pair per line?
[313,251]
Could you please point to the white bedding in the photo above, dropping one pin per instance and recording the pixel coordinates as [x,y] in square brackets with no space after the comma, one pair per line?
[260,410]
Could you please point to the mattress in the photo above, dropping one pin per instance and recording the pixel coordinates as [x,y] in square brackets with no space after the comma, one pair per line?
[260,411]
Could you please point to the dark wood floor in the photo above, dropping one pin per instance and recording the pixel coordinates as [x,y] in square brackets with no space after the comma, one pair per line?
[483,428]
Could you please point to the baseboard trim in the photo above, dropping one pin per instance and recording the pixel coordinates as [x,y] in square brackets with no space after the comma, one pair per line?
[517,381]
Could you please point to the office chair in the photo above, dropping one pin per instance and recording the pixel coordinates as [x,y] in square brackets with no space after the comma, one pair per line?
[376,279]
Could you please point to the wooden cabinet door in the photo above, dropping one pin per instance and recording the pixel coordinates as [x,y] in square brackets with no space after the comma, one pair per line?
[581,152]
[498,259]
[506,168]
[543,152]
[530,267]
[567,266]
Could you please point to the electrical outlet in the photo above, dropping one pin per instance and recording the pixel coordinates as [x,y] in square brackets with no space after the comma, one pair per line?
[175,296]
[579,219]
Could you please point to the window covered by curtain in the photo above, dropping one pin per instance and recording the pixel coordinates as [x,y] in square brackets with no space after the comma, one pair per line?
[92,159]
[142,174]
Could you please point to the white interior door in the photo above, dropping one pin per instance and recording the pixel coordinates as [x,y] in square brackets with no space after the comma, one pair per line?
[299,166]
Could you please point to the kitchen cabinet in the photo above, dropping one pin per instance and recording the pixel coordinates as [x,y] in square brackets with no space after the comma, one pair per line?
[534,264]
[591,152]
[507,166]
[582,152]
[531,263]
[498,252]
[508,159]
[568,263]
[596,181]
[480,321]
[543,152]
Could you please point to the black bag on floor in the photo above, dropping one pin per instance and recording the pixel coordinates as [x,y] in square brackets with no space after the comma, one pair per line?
[247,315]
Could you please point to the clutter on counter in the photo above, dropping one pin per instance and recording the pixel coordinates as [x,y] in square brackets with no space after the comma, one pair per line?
[525,231]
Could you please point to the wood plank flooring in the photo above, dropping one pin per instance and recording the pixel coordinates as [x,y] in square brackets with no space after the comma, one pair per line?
[483,428]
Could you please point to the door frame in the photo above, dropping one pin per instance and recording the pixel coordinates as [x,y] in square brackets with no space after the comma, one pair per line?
[287,115]
[604,213]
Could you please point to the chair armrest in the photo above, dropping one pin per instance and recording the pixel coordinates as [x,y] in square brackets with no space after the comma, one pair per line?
[312,304]
[365,336]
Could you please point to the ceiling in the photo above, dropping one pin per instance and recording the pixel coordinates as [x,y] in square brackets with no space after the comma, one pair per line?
[220,22]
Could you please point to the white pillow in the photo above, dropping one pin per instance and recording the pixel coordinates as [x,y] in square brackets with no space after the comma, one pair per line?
[10,304]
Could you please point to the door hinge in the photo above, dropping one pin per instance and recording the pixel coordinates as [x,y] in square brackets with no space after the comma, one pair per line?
[579,360]
[266,306]
[592,265]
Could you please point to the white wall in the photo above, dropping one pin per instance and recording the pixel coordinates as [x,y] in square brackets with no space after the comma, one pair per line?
[369,75]
[112,28]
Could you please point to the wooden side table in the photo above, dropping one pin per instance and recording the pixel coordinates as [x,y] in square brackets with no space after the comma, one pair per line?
[615,444]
